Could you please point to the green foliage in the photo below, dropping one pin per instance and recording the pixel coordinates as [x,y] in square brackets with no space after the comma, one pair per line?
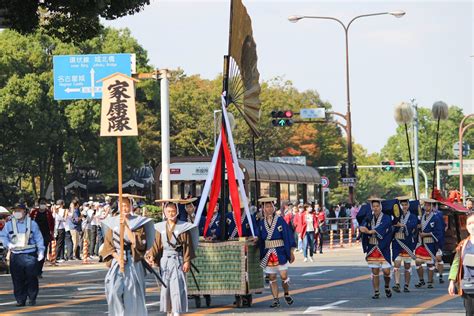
[154,212]
[70,21]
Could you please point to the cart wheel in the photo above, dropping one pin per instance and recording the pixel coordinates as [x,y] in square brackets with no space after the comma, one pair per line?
[249,300]
[197,301]
[239,301]
[208,300]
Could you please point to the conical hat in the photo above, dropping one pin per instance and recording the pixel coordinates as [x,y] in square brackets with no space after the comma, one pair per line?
[127,196]
[267,200]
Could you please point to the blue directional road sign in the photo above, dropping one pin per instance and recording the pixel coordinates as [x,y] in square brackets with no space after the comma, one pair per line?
[76,76]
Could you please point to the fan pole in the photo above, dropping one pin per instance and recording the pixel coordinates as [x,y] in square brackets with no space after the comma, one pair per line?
[411,162]
[255,170]
[436,159]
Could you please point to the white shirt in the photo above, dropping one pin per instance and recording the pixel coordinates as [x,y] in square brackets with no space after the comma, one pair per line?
[59,220]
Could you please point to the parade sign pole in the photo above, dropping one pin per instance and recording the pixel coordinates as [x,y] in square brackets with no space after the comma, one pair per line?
[119,118]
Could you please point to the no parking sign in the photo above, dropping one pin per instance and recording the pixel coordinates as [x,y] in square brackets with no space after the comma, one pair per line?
[325,182]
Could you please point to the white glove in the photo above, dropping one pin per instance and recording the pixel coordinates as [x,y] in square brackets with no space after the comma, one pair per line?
[40,256]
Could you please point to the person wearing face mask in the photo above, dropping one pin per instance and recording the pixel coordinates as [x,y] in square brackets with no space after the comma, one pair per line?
[430,235]
[173,250]
[43,216]
[376,239]
[310,224]
[125,292]
[24,239]
[462,268]
[276,250]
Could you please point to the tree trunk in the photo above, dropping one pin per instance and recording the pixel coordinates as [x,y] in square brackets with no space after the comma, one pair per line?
[58,172]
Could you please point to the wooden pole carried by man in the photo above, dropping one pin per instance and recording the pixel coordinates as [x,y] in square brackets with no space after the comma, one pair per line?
[119,118]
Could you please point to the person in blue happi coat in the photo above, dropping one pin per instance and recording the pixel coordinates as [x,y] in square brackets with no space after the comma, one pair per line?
[276,249]
[431,233]
[231,228]
[404,241]
[439,253]
[23,237]
[213,231]
[376,229]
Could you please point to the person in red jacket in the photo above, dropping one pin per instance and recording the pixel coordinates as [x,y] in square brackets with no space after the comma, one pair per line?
[308,229]
[43,216]
[321,228]
[287,213]
[298,225]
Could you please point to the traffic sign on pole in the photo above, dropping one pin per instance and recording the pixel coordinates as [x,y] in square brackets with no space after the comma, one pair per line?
[325,182]
[77,76]
[313,113]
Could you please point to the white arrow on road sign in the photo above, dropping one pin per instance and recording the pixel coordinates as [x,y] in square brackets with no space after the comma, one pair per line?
[92,82]
[69,90]
[313,309]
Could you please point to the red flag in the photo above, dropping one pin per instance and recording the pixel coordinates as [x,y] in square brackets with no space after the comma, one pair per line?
[215,190]
[233,190]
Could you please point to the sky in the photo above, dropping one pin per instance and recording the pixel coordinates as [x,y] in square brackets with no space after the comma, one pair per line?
[425,55]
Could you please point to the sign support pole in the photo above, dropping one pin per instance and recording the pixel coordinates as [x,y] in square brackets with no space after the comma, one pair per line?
[165,135]
[122,215]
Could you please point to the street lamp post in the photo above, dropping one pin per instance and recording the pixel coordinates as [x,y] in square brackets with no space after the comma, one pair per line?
[462,129]
[348,117]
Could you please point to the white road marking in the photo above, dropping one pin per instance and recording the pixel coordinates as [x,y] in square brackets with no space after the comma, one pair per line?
[318,272]
[101,287]
[8,303]
[153,304]
[85,272]
[323,307]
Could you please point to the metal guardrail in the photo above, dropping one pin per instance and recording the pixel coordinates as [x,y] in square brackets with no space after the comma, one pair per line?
[336,224]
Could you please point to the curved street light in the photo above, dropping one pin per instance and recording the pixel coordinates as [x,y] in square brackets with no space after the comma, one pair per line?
[348,126]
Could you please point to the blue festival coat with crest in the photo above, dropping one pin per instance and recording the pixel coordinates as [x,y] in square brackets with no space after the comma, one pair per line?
[278,229]
[384,233]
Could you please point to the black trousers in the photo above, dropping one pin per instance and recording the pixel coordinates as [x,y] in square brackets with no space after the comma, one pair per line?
[41,263]
[60,244]
[24,272]
[68,242]
[469,304]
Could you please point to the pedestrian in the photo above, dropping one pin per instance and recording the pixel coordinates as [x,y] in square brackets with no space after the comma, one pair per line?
[376,239]
[469,205]
[298,222]
[76,229]
[125,292]
[24,239]
[68,226]
[310,223]
[44,218]
[404,243]
[319,238]
[173,250]
[430,233]
[100,216]
[462,269]
[94,229]
[276,250]
[354,211]
[60,231]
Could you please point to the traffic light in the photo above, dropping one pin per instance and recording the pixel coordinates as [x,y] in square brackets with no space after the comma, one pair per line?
[353,171]
[343,171]
[387,165]
[282,118]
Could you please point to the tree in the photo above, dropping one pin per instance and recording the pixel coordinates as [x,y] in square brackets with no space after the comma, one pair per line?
[68,20]
[43,135]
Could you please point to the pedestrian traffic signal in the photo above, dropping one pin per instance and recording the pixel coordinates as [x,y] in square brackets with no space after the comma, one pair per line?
[353,171]
[388,165]
[343,171]
[282,118]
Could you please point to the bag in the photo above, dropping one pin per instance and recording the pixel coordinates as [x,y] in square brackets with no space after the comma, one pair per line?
[467,286]
[467,283]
